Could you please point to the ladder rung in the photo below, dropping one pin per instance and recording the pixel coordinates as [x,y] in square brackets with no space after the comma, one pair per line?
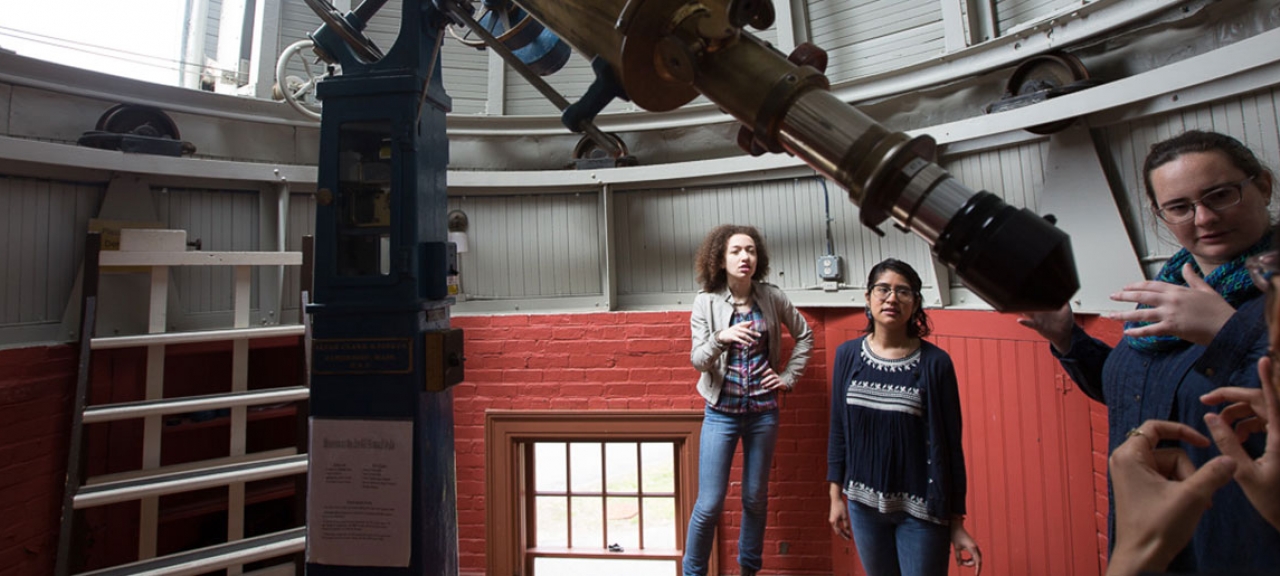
[175,258]
[109,342]
[126,410]
[189,466]
[172,482]
[211,558]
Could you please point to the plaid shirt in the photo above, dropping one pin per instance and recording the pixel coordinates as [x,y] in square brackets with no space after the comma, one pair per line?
[746,365]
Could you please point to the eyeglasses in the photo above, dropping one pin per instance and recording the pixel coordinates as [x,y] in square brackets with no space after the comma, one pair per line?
[882,292]
[1262,268]
[1217,199]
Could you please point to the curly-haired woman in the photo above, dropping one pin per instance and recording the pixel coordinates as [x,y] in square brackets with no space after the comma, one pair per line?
[737,324]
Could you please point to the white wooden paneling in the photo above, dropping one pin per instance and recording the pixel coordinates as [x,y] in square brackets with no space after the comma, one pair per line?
[464,69]
[1013,13]
[296,22]
[1254,119]
[1015,173]
[384,27]
[659,232]
[870,36]
[860,246]
[211,30]
[301,222]
[41,245]
[465,72]
[222,221]
[531,246]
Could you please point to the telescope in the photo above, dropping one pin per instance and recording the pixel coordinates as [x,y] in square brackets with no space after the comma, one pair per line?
[661,54]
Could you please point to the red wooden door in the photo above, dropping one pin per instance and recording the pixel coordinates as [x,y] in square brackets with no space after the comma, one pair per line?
[1029,438]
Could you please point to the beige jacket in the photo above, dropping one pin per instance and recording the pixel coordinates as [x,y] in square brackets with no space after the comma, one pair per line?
[711,314]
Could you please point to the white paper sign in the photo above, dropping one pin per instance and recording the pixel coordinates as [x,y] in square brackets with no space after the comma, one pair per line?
[360,492]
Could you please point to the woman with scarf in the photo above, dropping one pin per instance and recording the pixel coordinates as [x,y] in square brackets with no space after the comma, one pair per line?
[1198,326]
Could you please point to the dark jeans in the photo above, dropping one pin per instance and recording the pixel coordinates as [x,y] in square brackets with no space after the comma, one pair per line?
[898,544]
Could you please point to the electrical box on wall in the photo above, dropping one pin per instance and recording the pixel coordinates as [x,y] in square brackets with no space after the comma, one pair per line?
[830,268]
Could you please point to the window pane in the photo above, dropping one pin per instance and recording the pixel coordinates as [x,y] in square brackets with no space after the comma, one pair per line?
[619,567]
[624,522]
[658,460]
[548,460]
[552,523]
[620,468]
[588,516]
[660,523]
[585,467]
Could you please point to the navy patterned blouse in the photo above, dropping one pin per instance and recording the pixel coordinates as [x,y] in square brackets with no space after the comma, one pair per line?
[888,436]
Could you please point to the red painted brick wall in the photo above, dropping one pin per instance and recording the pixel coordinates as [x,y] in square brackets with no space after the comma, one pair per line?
[566,362]
[636,360]
[35,423]
[1111,332]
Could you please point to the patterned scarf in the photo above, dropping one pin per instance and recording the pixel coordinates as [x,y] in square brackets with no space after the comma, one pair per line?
[1230,280]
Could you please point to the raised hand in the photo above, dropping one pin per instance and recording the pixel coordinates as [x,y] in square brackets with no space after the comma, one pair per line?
[740,333]
[1054,325]
[1195,312]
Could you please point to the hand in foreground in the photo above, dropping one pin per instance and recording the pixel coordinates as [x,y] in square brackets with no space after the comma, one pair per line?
[1194,313]
[1259,478]
[1246,414]
[740,333]
[1159,495]
[838,518]
[967,552]
[1054,325]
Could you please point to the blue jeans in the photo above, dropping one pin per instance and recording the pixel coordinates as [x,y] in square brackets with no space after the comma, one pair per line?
[898,544]
[720,435]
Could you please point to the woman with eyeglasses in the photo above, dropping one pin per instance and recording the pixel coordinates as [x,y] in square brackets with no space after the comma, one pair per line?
[737,324]
[1160,496]
[1198,326]
[895,465]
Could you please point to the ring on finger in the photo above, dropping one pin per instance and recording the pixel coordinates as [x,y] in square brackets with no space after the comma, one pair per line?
[1137,431]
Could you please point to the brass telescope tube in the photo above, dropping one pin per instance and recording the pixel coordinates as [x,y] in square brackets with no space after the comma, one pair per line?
[1013,259]
[668,51]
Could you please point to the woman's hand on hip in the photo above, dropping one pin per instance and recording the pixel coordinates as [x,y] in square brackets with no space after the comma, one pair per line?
[771,381]
[1054,325]
[1195,312]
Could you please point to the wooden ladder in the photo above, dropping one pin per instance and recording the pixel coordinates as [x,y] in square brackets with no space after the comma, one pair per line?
[157,251]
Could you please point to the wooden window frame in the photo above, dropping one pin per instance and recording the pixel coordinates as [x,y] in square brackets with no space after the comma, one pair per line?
[505,489]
